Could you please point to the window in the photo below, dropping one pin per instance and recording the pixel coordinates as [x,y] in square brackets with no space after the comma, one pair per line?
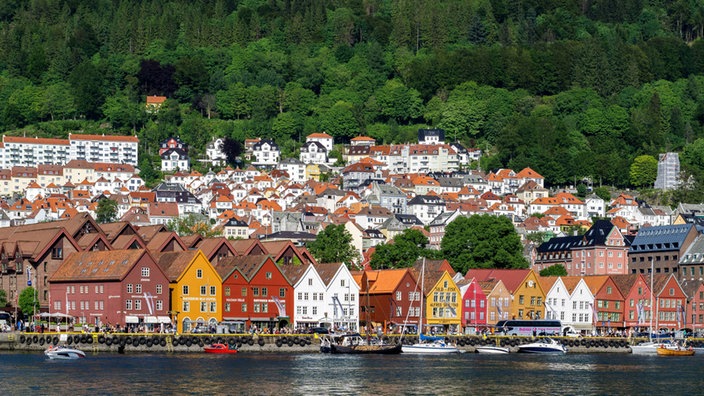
[137,305]
[244,307]
[184,290]
[310,281]
[203,306]
[159,289]
[57,253]
[159,305]
[268,275]
[129,288]
[608,290]
[213,306]
[199,273]
[265,291]
[186,306]
[282,293]
[521,300]
[227,291]
[227,307]
[256,307]
[145,272]
[672,291]
[399,296]
[305,296]
[202,290]
[342,282]
[255,292]
[137,288]
[128,304]
[244,291]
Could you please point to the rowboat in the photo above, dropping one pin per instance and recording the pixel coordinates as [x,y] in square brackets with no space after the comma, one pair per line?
[675,350]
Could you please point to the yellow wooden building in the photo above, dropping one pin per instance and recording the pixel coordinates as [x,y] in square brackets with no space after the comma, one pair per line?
[195,287]
[443,302]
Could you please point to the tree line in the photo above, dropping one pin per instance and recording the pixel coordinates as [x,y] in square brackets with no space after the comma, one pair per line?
[575,90]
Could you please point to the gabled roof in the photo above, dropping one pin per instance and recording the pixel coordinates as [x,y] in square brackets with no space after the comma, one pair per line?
[109,265]
[386,281]
[174,264]
[512,278]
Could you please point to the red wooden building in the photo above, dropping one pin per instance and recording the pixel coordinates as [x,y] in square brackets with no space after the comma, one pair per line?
[255,292]
[115,287]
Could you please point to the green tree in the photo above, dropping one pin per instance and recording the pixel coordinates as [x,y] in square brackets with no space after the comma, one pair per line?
[28,301]
[334,245]
[3,298]
[482,241]
[339,121]
[402,252]
[124,112]
[191,224]
[554,270]
[644,170]
[106,212]
[398,102]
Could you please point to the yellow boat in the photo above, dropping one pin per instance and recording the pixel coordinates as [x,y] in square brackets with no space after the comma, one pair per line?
[675,351]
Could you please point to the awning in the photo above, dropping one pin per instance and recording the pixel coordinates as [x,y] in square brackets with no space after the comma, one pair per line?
[131,319]
[163,319]
[150,319]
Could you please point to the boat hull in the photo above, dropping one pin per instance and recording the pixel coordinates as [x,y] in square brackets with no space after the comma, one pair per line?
[496,350]
[675,352]
[546,346]
[429,348]
[220,349]
[64,353]
[543,350]
[366,349]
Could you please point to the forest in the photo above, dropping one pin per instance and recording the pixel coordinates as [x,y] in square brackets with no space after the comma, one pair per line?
[577,90]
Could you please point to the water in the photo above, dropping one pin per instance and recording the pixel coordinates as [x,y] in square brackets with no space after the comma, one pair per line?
[316,374]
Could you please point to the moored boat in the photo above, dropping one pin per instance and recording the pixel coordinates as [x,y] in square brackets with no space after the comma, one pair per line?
[433,347]
[64,353]
[219,348]
[492,349]
[679,351]
[353,343]
[544,345]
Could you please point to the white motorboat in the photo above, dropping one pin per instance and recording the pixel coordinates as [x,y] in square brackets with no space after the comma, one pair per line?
[544,345]
[650,347]
[435,347]
[64,353]
[492,349]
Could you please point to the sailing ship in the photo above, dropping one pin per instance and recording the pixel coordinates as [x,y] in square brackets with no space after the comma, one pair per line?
[428,344]
[354,343]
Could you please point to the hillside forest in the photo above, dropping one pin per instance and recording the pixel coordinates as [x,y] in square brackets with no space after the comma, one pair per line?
[587,91]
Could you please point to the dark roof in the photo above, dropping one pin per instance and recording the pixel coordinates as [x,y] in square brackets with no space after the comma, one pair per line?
[661,238]
[560,244]
[426,200]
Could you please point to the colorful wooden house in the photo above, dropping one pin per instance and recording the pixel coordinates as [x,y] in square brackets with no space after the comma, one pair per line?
[474,306]
[670,302]
[115,287]
[196,289]
[256,292]
[636,298]
[608,306]
[527,296]
[389,299]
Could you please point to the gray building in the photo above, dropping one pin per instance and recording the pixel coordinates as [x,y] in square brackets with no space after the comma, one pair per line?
[668,171]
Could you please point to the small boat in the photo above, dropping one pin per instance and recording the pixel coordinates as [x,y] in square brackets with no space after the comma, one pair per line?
[674,350]
[219,348]
[491,349]
[434,347]
[353,343]
[544,345]
[647,348]
[63,353]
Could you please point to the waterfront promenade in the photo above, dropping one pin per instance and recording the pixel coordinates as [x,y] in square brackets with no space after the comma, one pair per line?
[289,343]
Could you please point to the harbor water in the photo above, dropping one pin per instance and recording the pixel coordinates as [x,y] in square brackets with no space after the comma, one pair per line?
[30,373]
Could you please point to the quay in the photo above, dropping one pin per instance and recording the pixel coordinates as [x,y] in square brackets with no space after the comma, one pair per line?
[279,343]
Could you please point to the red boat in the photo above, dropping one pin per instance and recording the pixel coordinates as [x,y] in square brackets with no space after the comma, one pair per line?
[219,348]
